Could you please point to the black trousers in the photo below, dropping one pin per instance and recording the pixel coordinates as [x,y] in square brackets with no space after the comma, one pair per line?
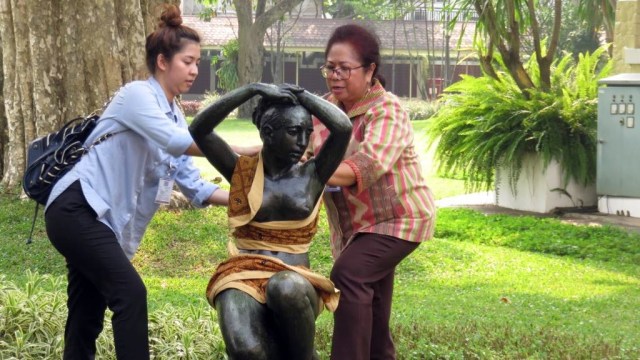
[364,273]
[100,276]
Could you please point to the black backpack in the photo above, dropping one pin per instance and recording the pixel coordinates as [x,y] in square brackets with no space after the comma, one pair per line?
[53,155]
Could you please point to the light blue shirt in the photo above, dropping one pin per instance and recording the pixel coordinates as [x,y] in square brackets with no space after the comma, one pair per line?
[120,176]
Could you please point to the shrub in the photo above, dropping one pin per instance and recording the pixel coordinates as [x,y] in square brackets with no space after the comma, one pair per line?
[190,107]
[32,325]
[210,97]
[484,122]
[420,109]
[228,71]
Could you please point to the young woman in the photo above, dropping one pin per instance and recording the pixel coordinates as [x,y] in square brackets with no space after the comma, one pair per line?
[381,208]
[97,213]
[267,299]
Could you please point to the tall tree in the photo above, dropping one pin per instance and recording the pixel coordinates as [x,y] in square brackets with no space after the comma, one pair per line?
[366,9]
[579,33]
[252,27]
[277,36]
[599,14]
[254,18]
[3,119]
[504,24]
[63,58]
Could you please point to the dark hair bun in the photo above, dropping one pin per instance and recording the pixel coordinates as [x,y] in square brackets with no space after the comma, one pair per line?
[170,16]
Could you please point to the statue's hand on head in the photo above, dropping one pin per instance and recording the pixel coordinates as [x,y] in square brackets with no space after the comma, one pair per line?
[295,89]
[275,92]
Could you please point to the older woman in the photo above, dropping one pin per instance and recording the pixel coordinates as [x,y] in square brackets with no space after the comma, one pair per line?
[266,297]
[380,208]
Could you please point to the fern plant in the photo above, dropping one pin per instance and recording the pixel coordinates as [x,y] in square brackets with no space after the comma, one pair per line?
[484,123]
[228,71]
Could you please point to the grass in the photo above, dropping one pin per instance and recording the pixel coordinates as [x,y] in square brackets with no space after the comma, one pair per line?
[487,287]
[243,132]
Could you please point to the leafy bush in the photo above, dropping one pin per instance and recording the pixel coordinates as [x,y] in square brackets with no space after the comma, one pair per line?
[484,123]
[190,107]
[31,319]
[210,97]
[420,109]
[32,325]
[228,71]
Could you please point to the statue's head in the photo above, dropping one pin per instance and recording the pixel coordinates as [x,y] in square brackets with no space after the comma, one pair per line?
[284,129]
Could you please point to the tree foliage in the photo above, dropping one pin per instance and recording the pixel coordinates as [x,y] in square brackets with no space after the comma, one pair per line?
[254,18]
[228,71]
[505,27]
[371,9]
[598,15]
[578,33]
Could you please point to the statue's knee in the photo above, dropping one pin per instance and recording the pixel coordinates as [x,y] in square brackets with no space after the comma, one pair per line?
[288,287]
[246,353]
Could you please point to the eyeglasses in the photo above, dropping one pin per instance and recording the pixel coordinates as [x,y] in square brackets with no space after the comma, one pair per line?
[343,73]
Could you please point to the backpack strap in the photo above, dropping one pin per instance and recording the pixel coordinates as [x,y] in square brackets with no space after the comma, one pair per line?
[33,224]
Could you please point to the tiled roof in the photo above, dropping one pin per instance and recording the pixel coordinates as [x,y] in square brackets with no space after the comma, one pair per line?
[312,33]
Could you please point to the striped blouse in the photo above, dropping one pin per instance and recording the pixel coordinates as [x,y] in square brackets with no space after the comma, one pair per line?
[390,196]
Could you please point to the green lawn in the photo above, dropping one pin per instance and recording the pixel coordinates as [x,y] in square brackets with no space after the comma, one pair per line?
[487,286]
[243,132]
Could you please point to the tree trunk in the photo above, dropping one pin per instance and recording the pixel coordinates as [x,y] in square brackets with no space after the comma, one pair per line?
[3,119]
[251,37]
[250,53]
[71,55]
[510,50]
[151,10]
[13,57]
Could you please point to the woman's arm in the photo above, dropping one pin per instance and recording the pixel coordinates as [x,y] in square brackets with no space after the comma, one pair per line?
[219,197]
[249,150]
[339,126]
[387,134]
[343,176]
[197,190]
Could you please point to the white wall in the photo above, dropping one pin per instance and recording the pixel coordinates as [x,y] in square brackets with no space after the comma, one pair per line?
[619,206]
[535,188]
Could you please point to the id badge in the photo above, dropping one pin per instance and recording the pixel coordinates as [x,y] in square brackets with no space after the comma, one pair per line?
[165,187]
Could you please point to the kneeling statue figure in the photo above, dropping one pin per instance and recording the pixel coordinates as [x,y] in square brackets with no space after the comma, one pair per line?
[266,296]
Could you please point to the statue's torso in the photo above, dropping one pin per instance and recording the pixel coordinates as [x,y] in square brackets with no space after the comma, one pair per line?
[290,197]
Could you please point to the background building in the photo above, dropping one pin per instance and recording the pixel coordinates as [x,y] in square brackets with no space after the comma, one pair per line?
[420,55]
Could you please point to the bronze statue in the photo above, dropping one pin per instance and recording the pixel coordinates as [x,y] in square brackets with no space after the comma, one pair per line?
[266,297]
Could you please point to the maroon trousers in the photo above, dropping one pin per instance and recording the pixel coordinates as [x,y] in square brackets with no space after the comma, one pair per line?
[364,274]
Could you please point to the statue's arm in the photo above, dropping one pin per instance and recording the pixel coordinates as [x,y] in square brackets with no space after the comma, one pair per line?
[339,126]
[213,147]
